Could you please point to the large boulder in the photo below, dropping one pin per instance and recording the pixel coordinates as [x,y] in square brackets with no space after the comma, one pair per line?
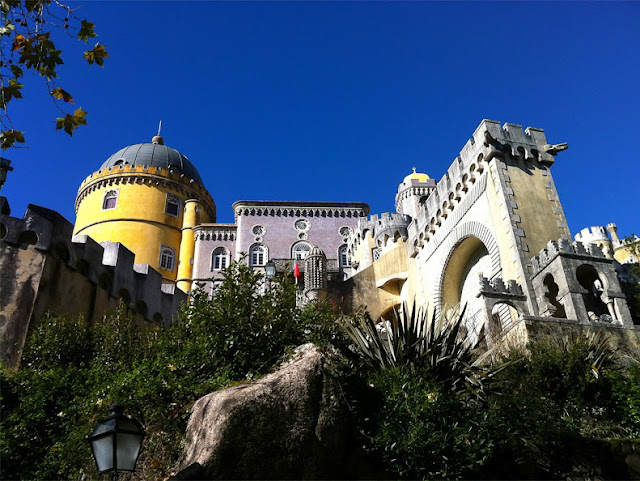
[290,424]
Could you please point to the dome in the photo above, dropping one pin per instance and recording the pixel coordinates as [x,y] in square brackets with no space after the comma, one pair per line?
[417,176]
[154,154]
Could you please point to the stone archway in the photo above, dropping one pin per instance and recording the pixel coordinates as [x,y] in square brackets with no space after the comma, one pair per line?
[463,243]
[470,251]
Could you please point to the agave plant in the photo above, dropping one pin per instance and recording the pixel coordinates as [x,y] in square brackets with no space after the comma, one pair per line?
[414,339]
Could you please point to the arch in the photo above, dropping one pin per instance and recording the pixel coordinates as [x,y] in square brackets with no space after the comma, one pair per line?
[167,258]
[458,235]
[219,259]
[258,255]
[27,238]
[172,205]
[596,296]
[551,294]
[124,295]
[110,199]
[344,256]
[300,250]
[503,315]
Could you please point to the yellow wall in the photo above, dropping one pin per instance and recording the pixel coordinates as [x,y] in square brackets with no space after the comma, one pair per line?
[539,221]
[139,221]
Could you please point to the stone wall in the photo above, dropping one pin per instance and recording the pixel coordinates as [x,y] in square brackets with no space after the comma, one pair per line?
[45,269]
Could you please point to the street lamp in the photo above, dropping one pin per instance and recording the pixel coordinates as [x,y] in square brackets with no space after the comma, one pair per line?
[116,442]
[270,273]
[270,269]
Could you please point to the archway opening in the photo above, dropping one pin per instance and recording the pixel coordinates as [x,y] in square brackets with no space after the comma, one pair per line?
[551,294]
[595,298]
[461,285]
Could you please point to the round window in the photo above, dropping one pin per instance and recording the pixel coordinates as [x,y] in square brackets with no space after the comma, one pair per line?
[302,225]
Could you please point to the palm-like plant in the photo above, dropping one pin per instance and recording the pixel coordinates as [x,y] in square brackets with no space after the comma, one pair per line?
[413,339]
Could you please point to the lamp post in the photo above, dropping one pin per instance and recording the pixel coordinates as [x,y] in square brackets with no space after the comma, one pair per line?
[270,273]
[116,442]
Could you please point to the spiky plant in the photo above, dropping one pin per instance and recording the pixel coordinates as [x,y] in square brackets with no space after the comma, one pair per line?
[414,339]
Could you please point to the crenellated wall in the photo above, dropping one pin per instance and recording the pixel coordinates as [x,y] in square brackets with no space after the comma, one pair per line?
[46,269]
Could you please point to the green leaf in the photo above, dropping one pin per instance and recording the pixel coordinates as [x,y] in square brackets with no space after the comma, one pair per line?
[71,122]
[9,92]
[86,31]
[9,137]
[97,55]
[62,95]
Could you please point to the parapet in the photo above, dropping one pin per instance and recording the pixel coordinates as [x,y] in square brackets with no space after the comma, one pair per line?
[383,227]
[149,175]
[108,264]
[460,183]
[595,233]
[563,247]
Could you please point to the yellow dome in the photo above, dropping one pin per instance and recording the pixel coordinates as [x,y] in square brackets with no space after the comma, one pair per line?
[416,175]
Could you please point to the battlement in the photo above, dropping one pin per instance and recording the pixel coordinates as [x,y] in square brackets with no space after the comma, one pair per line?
[216,232]
[593,234]
[146,175]
[384,227]
[452,192]
[498,287]
[566,248]
[108,264]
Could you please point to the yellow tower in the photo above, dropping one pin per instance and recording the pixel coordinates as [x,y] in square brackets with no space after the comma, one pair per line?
[147,196]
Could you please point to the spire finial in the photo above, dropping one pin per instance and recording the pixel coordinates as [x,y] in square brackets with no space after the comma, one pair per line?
[157,139]
[414,169]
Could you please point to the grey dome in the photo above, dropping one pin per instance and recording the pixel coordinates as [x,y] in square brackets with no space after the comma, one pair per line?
[156,155]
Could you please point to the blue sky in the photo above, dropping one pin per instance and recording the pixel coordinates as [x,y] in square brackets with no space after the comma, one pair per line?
[337,101]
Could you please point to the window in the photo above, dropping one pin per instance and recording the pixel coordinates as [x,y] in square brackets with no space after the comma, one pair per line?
[345,231]
[167,258]
[110,200]
[257,255]
[220,259]
[343,256]
[173,205]
[258,230]
[377,253]
[300,251]
[302,225]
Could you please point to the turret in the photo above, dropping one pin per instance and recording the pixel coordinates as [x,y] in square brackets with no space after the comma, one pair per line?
[613,231]
[413,192]
[190,220]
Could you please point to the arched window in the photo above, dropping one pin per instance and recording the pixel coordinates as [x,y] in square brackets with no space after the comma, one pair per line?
[167,258]
[343,256]
[219,259]
[172,206]
[257,255]
[300,251]
[110,200]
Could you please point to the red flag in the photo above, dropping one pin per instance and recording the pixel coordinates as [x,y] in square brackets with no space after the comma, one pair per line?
[296,272]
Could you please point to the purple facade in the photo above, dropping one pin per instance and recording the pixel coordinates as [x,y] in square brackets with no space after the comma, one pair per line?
[282,232]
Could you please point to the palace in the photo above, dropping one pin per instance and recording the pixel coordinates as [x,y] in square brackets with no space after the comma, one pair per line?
[490,235]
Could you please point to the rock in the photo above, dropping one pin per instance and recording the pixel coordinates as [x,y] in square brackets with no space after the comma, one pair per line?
[290,424]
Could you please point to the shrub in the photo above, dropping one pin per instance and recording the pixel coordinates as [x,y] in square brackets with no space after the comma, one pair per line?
[72,371]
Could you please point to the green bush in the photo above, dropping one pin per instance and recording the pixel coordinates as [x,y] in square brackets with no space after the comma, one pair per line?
[537,418]
[72,371]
